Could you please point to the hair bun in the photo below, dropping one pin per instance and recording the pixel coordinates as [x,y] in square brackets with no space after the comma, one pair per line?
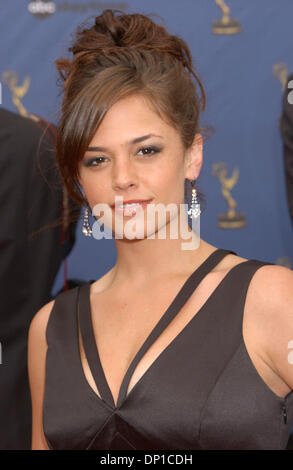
[141,32]
[114,28]
[111,26]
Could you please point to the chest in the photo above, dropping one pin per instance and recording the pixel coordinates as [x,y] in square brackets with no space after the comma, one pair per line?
[121,325]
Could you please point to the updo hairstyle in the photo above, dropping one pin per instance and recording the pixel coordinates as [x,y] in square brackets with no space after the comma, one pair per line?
[120,55]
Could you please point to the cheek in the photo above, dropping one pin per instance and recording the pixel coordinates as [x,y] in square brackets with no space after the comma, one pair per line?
[173,180]
[93,188]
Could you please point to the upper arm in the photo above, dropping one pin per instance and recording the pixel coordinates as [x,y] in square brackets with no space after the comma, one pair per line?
[277,305]
[37,349]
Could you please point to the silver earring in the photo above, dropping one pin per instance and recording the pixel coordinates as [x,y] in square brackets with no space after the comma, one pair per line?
[86,229]
[194,210]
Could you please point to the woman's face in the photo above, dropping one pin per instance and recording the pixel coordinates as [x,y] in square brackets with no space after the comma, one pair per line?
[140,157]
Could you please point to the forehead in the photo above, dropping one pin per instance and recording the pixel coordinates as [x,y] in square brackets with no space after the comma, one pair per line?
[129,118]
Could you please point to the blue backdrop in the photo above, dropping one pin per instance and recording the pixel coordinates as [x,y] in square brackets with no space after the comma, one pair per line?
[244,73]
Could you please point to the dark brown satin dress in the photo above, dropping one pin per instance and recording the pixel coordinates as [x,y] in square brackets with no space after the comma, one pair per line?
[201,392]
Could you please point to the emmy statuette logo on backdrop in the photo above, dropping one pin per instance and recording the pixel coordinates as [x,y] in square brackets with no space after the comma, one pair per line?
[225,25]
[10,78]
[230,219]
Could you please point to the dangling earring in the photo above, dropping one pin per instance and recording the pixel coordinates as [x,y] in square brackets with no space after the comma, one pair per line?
[86,229]
[194,210]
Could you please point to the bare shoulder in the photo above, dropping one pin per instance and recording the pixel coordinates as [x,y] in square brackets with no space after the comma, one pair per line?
[36,359]
[270,317]
[38,325]
[37,343]
[272,285]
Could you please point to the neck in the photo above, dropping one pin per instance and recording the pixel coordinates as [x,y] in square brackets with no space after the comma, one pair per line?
[146,261]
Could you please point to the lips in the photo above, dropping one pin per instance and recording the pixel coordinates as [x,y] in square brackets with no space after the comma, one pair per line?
[137,205]
[132,201]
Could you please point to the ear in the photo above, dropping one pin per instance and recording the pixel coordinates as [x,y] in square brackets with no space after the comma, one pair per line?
[193,158]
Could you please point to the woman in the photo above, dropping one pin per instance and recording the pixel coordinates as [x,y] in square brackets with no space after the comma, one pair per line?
[173,348]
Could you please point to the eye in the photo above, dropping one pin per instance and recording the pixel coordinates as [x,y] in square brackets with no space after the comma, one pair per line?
[98,160]
[151,149]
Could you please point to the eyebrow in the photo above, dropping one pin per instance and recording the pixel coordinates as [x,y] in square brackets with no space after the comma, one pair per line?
[134,141]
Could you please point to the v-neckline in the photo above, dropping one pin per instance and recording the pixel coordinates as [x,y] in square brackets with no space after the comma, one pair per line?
[90,345]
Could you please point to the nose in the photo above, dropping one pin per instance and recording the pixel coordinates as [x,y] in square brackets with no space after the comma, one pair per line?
[124,175]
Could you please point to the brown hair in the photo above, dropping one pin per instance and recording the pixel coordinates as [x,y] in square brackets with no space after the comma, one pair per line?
[123,54]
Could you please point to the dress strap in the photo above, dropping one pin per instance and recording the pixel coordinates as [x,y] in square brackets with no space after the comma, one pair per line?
[90,346]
